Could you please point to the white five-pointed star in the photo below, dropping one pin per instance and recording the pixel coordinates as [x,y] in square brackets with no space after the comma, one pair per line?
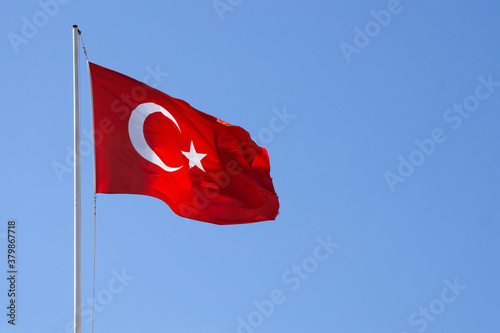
[194,157]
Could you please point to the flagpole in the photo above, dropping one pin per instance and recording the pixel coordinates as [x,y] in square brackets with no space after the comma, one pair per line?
[77,183]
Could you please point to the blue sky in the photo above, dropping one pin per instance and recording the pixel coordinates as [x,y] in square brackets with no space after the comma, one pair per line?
[386,168]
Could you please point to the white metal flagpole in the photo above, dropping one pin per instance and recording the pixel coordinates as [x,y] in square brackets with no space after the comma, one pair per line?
[77,183]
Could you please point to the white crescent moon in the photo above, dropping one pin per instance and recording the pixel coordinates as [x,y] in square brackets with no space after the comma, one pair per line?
[136,132]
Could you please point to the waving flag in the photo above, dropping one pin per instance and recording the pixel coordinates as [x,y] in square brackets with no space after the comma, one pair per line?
[149,143]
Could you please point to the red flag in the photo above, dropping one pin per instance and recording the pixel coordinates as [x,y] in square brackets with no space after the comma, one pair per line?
[147,142]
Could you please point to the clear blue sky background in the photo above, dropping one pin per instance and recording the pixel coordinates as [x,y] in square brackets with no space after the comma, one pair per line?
[418,255]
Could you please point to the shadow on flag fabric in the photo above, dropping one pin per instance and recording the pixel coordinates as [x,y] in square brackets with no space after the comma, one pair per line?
[149,143]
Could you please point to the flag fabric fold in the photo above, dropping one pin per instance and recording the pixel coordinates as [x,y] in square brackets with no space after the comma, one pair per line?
[149,143]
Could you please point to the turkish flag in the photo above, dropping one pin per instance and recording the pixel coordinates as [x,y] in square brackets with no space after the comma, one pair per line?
[147,142]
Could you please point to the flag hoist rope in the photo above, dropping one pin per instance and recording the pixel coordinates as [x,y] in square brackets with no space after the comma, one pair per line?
[77,188]
[95,195]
